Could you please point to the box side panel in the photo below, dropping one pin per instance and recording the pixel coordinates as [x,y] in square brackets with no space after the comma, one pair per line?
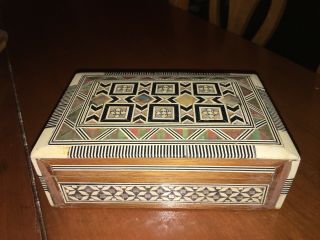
[287,183]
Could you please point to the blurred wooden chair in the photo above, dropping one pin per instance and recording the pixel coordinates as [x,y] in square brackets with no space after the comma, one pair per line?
[3,39]
[239,15]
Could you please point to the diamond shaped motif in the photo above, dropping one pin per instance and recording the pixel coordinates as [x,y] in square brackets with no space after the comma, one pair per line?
[100,99]
[230,100]
[186,99]
[143,99]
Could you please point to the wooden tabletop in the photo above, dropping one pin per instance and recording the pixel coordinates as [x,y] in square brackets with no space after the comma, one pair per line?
[48,44]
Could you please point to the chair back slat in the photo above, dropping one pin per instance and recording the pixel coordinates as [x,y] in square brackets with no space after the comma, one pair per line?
[214,12]
[270,23]
[240,13]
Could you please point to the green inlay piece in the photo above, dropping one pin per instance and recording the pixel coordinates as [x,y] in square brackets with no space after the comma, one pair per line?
[262,133]
[76,103]
[117,134]
[74,115]
[161,134]
[184,132]
[85,88]
[254,102]
[67,133]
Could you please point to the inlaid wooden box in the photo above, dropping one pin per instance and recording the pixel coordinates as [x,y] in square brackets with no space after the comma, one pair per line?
[182,140]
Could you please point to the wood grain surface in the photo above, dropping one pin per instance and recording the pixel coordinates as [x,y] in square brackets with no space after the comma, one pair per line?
[18,213]
[48,43]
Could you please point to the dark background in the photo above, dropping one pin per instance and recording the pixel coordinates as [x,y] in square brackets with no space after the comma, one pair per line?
[297,36]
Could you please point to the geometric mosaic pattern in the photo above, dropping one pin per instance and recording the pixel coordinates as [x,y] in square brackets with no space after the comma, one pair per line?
[164,109]
[168,193]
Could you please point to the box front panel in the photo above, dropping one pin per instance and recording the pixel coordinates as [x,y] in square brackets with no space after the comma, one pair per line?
[247,184]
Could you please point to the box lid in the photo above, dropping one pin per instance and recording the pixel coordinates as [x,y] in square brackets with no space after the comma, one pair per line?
[165,115]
